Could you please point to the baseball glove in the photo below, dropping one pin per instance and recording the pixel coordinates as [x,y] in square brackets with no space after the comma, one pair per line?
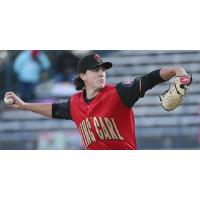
[174,96]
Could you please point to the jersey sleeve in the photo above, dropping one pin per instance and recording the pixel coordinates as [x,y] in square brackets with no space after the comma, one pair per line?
[131,91]
[61,110]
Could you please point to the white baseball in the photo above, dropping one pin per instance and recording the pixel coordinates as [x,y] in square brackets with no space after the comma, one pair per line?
[9,101]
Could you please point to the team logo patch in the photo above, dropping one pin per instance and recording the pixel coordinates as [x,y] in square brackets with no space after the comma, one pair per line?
[128,83]
[97,57]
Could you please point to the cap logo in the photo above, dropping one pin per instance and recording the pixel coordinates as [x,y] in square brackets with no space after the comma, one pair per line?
[97,57]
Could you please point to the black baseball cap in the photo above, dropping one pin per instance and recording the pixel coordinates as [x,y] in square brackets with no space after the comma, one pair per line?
[92,61]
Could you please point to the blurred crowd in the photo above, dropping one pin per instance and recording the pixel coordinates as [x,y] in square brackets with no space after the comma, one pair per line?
[39,74]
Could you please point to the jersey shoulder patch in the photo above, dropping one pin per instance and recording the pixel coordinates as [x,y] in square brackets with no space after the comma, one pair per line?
[128,83]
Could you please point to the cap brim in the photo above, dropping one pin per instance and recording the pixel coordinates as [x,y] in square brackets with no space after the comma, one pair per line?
[107,65]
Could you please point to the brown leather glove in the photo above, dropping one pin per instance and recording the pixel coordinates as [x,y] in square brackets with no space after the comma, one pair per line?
[174,96]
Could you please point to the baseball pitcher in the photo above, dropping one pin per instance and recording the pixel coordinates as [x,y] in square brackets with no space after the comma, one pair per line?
[104,113]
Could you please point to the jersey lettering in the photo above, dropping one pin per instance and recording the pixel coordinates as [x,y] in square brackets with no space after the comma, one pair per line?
[106,129]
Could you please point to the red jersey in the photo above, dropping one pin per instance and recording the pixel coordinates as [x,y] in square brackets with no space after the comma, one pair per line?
[105,122]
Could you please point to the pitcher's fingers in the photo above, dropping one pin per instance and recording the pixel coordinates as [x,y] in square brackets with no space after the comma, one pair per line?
[9,93]
[9,96]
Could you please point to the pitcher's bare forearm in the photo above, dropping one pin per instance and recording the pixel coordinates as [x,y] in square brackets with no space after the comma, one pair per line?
[168,72]
[44,109]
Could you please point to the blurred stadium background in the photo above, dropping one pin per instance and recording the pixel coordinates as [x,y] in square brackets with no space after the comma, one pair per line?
[155,127]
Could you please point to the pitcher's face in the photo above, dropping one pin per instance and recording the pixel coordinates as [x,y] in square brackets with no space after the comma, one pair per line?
[95,78]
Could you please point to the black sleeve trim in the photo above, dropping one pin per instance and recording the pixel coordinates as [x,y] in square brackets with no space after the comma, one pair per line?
[61,110]
[150,80]
[131,91]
